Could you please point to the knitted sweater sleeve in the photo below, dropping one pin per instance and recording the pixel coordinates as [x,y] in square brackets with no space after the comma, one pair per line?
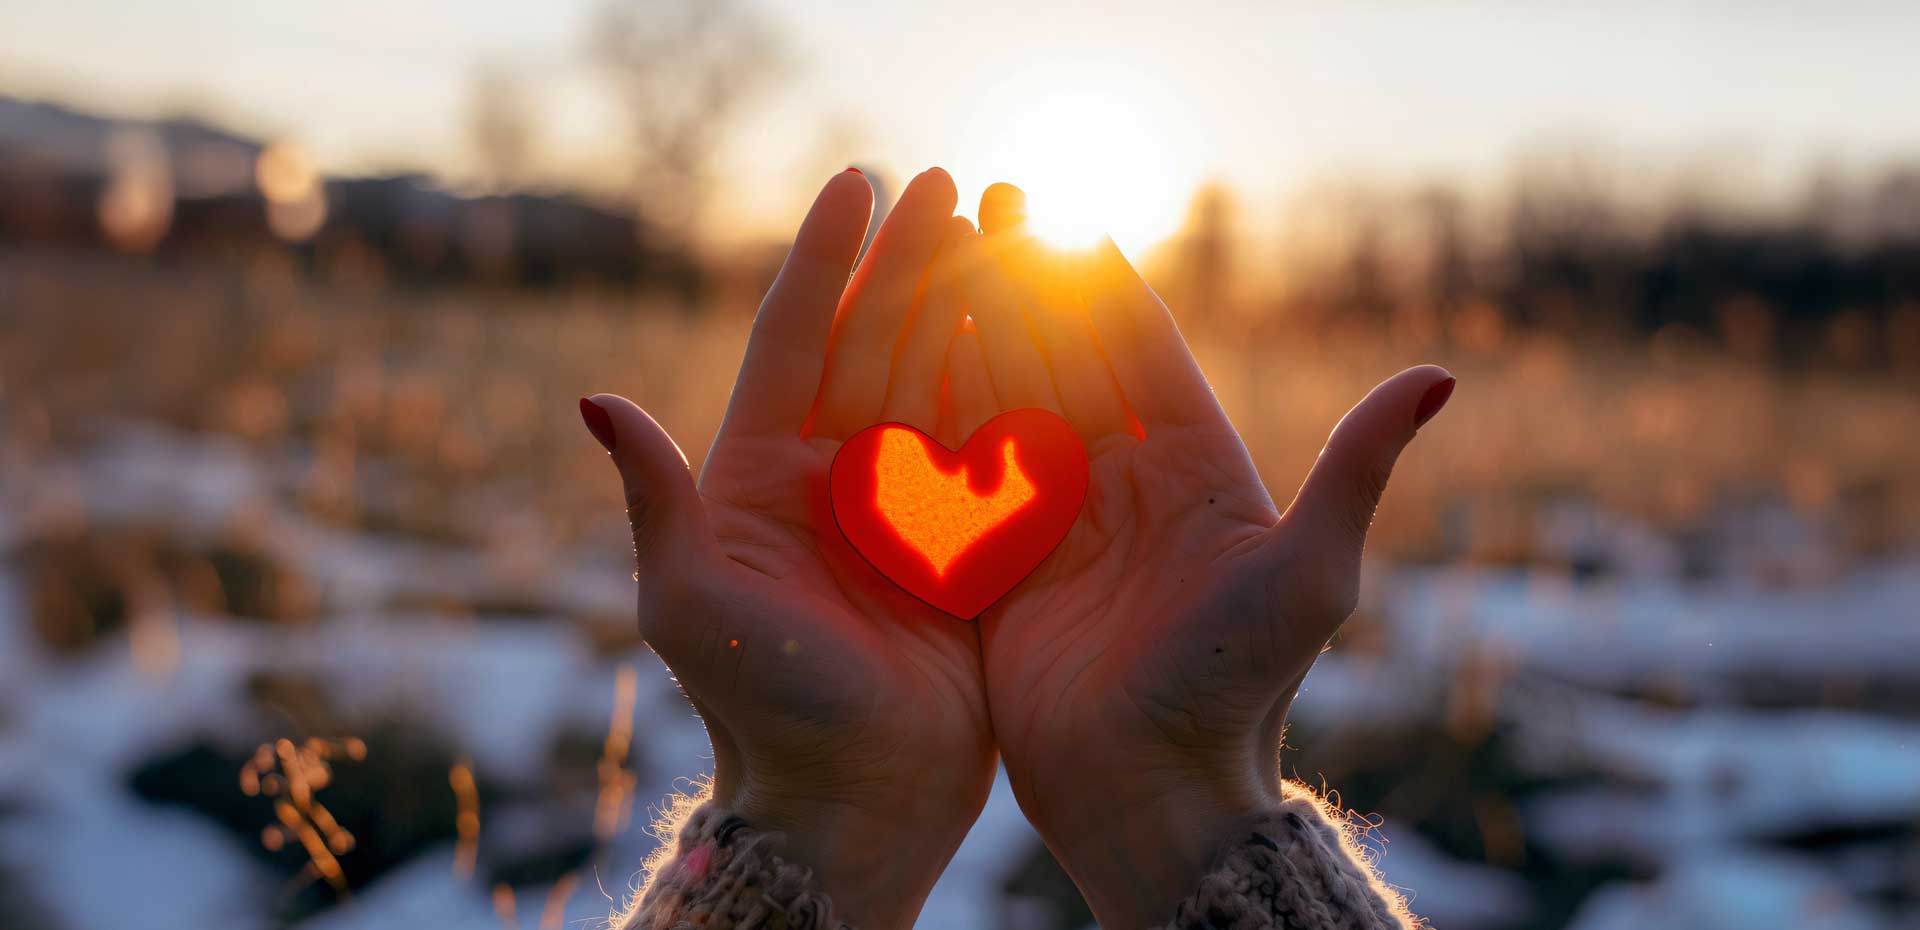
[714,871]
[1293,867]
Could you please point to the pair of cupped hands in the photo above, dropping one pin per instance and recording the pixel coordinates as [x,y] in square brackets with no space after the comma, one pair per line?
[1135,685]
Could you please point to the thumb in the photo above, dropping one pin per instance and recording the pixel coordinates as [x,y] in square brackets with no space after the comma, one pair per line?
[1335,506]
[662,503]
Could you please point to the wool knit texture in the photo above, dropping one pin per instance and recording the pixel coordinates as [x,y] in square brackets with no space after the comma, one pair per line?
[1293,867]
[725,875]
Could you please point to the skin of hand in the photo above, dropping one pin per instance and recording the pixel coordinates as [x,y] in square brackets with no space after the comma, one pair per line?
[841,711]
[1139,680]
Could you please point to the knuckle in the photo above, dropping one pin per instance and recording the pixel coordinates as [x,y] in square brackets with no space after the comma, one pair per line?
[1368,484]
[646,514]
[667,599]
[1323,590]
[1337,600]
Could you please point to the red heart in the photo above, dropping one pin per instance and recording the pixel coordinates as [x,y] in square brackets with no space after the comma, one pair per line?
[960,529]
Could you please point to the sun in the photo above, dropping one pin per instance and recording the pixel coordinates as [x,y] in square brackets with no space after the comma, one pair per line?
[1098,151]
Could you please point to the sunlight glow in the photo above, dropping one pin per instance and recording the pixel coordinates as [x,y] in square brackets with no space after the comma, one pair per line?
[1098,150]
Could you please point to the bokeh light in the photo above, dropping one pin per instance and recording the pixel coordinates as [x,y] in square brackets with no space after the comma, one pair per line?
[136,207]
[290,182]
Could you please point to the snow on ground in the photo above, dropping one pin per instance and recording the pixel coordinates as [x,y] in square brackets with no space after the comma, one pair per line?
[1441,889]
[1731,891]
[1721,775]
[1695,792]
[422,893]
[65,754]
[968,893]
[1705,791]
[1653,629]
[102,858]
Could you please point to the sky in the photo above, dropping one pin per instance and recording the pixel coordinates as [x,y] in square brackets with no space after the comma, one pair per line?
[1119,108]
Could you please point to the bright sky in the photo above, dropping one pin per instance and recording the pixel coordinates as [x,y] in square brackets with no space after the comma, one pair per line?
[1071,100]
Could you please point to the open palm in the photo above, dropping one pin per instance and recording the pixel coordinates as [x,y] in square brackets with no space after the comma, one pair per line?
[824,692]
[1147,666]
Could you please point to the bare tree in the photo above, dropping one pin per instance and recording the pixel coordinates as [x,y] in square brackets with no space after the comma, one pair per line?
[501,125]
[1206,253]
[841,142]
[683,70]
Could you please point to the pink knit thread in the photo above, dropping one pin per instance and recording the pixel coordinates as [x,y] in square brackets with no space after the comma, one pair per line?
[725,875]
[694,866]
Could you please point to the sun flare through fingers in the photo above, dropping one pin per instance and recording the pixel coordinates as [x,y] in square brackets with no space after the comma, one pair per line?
[1098,152]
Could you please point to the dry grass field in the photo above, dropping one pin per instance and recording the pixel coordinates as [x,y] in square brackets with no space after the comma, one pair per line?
[403,405]
[241,503]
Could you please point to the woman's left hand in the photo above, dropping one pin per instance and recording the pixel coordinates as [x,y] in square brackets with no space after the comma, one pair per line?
[843,713]
[1140,679]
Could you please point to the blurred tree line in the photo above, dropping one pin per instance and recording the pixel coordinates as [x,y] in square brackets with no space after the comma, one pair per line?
[1565,246]
[1573,241]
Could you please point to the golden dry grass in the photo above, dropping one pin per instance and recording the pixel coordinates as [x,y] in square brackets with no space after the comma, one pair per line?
[451,413]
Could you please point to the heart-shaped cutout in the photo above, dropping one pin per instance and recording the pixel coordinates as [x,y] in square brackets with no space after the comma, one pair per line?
[960,529]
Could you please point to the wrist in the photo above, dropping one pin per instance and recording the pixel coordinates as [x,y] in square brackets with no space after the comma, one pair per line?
[1135,852]
[877,855]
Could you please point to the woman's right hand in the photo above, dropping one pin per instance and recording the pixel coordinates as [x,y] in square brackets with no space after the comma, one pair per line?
[842,712]
[1139,680]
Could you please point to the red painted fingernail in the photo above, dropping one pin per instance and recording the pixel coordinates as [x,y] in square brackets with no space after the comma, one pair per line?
[1436,397]
[856,171]
[598,423]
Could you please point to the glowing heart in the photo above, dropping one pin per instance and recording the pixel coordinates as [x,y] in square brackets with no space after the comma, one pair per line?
[960,529]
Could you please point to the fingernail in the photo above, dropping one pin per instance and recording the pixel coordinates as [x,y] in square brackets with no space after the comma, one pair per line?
[598,423]
[856,171]
[1436,397]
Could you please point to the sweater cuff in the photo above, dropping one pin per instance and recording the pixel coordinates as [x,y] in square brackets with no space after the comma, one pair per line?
[718,873]
[1293,867]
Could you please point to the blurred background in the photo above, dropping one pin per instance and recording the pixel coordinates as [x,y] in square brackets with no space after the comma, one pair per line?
[315,607]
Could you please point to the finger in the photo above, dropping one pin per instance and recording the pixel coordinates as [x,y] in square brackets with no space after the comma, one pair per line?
[1157,374]
[670,534]
[877,304]
[786,353]
[1014,361]
[1003,208]
[1336,504]
[913,388]
[969,390]
[669,522]
[1080,374]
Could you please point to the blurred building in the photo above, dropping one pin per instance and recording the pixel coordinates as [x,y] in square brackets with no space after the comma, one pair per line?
[185,190]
